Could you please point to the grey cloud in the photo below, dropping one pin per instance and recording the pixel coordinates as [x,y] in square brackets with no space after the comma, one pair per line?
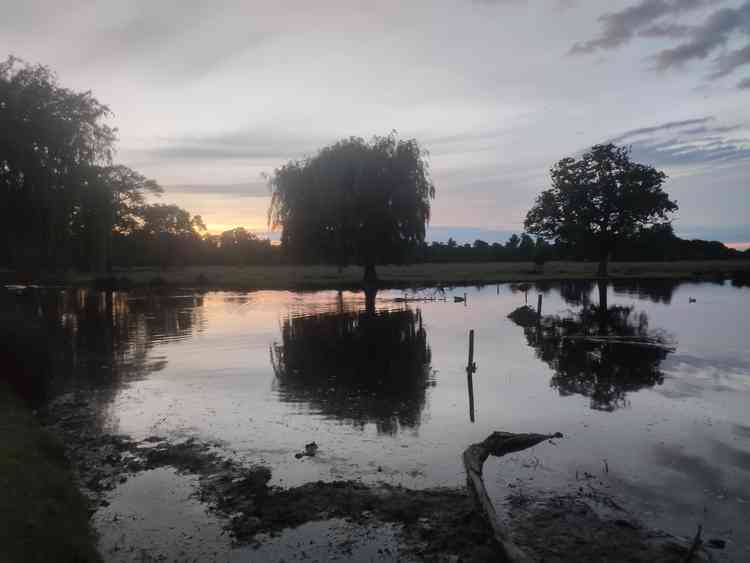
[620,27]
[744,84]
[670,30]
[248,189]
[562,4]
[165,41]
[686,142]
[680,152]
[470,142]
[729,62]
[712,34]
[203,152]
[656,19]
[239,145]
[706,130]
[662,127]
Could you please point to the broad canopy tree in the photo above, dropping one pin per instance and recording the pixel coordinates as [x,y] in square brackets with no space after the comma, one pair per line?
[61,196]
[358,202]
[51,140]
[599,199]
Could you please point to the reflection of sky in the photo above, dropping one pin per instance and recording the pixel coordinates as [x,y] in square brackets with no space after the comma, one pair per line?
[682,444]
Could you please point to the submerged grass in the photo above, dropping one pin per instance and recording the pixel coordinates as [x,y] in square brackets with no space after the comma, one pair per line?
[43,515]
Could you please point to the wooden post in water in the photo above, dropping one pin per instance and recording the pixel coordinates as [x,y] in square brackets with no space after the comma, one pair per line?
[470,380]
[539,305]
[470,369]
[471,350]
[465,306]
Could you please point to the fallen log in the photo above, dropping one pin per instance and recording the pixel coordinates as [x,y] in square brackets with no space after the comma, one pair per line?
[497,444]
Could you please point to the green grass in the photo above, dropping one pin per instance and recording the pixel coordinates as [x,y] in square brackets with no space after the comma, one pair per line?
[329,277]
[43,515]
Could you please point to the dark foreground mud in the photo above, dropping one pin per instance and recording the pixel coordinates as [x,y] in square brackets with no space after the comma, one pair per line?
[431,525]
[578,527]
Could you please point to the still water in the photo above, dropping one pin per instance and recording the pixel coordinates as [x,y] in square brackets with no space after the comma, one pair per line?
[661,414]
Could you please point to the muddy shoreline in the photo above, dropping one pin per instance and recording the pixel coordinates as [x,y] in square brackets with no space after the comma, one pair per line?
[439,524]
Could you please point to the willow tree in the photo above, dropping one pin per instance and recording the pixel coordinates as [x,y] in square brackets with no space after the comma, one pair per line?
[599,199]
[354,202]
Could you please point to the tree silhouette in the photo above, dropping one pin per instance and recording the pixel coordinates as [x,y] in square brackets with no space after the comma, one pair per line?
[50,138]
[361,367]
[164,234]
[513,242]
[113,203]
[354,202]
[599,199]
[61,197]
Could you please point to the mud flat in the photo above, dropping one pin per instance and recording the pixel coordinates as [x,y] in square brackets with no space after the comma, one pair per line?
[439,524]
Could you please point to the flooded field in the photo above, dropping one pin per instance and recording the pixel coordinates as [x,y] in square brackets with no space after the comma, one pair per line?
[655,414]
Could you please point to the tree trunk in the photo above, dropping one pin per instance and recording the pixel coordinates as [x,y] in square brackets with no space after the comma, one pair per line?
[602,287]
[371,293]
[371,276]
[603,313]
[602,271]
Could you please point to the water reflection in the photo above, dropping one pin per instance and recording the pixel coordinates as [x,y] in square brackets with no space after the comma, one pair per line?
[578,292]
[599,352]
[358,366]
[657,291]
[57,340]
[741,278]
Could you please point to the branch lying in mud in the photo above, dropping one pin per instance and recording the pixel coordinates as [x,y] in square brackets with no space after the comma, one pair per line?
[497,444]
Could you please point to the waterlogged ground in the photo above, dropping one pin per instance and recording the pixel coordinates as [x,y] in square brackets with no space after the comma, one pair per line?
[657,421]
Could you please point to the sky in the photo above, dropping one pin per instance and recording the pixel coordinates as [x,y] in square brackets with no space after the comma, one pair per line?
[209,97]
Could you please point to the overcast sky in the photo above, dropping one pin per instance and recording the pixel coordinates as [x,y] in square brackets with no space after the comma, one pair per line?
[208,96]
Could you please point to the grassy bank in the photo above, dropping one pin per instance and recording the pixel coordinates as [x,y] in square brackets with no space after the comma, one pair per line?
[43,516]
[416,275]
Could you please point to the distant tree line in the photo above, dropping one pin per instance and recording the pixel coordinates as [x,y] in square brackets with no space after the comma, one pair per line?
[657,244]
[65,202]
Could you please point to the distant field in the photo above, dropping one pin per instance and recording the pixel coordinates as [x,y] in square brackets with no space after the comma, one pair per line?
[295,277]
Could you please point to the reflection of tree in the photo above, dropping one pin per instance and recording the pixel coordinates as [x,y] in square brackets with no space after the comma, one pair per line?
[361,367]
[83,338]
[657,290]
[578,292]
[599,352]
[741,278]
